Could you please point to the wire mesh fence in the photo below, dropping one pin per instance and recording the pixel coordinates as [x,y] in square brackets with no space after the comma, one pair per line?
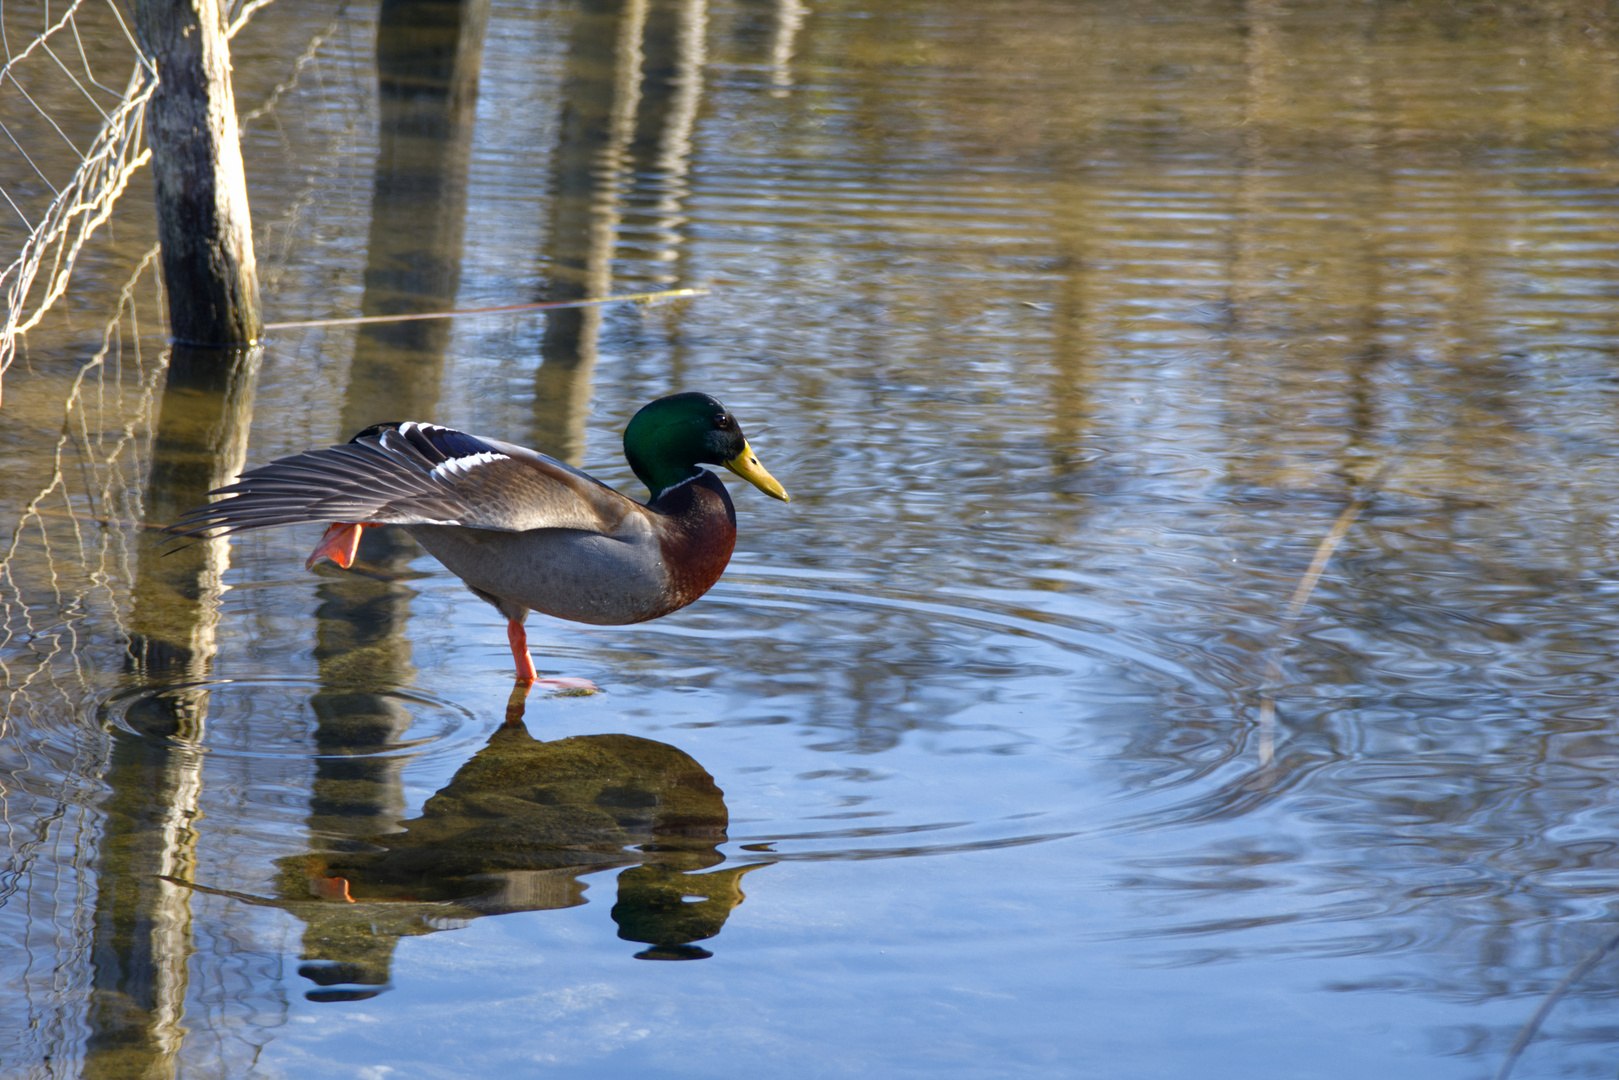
[72,97]
[73,94]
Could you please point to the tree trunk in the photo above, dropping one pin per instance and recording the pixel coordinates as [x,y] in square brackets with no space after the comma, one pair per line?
[203,221]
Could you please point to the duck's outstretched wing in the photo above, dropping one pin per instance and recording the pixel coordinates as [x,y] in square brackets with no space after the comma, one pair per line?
[414,474]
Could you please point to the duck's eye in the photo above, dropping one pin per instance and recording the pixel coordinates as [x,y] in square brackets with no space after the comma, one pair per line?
[722,422]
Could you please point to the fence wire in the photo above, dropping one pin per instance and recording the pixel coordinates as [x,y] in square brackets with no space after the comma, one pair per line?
[80,136]
[45,87]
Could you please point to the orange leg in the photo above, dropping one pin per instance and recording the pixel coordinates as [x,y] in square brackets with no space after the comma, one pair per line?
[339,545]
[527,677]
[519,640]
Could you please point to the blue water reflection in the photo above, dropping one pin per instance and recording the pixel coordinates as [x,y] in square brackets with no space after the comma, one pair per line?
[1074,330]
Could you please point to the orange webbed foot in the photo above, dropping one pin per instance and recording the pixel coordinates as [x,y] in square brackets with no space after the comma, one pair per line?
[340,544]
[528,678]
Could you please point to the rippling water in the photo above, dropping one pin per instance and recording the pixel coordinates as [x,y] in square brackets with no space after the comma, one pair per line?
[1019,743]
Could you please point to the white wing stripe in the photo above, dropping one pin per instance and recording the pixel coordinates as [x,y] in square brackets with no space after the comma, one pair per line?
[445,470]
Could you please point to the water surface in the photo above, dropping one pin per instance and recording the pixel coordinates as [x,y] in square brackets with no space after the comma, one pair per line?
[1009,747]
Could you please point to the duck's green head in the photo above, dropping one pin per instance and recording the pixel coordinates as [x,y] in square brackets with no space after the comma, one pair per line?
[669,438]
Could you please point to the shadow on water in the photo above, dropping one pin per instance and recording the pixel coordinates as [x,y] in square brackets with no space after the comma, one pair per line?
[515,829]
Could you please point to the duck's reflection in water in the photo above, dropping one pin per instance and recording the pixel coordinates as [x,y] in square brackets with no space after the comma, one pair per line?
[514,830]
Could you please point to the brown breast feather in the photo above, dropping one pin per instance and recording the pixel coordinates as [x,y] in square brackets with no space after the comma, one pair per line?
[696,526]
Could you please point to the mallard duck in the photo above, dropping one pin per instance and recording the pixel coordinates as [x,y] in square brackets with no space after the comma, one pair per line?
[523,530]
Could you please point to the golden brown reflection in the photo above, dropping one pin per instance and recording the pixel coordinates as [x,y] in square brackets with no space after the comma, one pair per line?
[619,180]
[601,89]
[142,940]
[515,829]
[429,53]
[200,441]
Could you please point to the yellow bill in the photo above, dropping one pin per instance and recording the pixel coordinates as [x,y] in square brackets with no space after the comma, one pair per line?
[746,465]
